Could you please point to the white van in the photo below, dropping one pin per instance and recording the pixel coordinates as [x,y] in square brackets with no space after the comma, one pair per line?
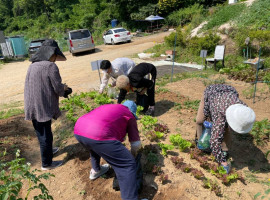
[80,40]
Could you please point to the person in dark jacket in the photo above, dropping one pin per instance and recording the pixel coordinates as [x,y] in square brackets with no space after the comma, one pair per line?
[43,86]
[139,81]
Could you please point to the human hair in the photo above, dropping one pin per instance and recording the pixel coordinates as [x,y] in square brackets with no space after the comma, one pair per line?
[122,82]
[105,64]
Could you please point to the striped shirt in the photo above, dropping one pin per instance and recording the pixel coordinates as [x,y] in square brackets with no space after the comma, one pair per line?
[43,86]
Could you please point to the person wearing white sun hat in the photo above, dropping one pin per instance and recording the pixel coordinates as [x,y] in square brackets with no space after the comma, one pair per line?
[222,106]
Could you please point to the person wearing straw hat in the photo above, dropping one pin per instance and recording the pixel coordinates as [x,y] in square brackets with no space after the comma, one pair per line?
[43,86]
[102,132]
[222,106]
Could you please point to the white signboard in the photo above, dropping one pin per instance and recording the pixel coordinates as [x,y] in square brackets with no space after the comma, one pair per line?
[95,65]
[203,53]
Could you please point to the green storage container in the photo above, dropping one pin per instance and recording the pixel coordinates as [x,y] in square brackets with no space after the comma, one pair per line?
[18,46]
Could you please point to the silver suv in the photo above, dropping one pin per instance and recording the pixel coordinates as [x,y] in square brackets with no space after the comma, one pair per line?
[80,40]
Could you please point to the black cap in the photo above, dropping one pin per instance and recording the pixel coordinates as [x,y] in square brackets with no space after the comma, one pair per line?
[45,52]
[105,64]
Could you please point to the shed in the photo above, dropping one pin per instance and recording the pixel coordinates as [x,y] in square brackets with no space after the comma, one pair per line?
[18,46]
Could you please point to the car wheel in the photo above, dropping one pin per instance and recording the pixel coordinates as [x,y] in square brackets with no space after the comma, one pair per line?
[104,41]
[93,50]
[73,54]
[128,41]
[113,42]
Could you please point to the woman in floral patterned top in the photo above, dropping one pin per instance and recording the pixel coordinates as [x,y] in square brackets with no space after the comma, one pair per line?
[222,106]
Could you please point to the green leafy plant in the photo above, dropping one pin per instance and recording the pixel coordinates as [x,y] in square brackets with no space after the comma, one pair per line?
[194,105]
[179,142]
[139,110]
[15,174]
[261,132]
[165,148]
[148,122]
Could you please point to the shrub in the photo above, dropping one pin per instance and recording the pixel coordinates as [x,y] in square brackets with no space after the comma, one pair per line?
[180,39]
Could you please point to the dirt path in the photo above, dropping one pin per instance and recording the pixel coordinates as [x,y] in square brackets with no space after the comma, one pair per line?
[76,71]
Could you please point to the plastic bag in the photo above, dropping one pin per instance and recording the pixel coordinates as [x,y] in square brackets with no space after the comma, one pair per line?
[204,141]
[112,92]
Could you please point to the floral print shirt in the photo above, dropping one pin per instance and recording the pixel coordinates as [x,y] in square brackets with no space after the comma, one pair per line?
[217,98]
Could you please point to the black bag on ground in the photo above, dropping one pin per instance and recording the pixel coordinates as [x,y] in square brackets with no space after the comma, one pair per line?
[142,100]
[139,180]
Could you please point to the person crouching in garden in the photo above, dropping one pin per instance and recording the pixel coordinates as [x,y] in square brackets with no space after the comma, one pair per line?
[221,105]
[101,131]
[43,86]
[137,81]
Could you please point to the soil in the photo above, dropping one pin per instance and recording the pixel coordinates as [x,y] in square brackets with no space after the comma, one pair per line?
[71,180]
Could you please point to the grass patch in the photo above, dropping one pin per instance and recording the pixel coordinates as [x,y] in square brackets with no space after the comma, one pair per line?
[10,113]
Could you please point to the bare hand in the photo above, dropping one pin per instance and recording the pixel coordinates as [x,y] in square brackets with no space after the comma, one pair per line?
[143,91]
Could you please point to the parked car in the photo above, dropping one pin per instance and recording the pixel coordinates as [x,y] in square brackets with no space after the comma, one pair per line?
[34,46]
[80,41]
[116,35]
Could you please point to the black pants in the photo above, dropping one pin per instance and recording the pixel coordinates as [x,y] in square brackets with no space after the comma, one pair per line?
[45,138]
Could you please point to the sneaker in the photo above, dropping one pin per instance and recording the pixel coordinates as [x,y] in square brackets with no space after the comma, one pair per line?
[55,150]
[150,112]
[53,165]
[103,169]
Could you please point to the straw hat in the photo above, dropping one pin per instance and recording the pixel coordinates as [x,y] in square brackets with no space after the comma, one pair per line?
[240,118]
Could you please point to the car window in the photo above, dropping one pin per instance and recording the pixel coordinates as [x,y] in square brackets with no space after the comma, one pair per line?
[35,44]
[120,30]
[109,32]
[79,34]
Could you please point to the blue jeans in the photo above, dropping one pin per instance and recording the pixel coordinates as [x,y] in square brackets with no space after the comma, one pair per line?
[45,138]
[121,160]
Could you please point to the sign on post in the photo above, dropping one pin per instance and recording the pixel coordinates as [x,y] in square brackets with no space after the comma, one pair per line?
[203,53]
[95,65]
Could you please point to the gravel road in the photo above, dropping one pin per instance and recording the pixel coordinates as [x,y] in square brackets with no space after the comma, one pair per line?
[76,71]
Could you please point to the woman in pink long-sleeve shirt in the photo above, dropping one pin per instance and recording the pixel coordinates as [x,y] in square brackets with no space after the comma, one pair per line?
[101,131]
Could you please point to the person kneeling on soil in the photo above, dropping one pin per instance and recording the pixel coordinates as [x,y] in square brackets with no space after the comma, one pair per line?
[138,82]
[222,106]
[101,131]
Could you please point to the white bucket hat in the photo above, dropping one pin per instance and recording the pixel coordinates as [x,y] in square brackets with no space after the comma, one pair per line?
[240,118]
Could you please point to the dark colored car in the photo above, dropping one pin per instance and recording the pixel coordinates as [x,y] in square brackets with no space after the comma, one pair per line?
[34,46]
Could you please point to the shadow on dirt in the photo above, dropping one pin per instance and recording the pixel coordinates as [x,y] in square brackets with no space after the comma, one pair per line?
[245,154]
[162,107]
[96,50]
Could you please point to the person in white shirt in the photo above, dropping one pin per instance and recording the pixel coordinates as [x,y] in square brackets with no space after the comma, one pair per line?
[119,66]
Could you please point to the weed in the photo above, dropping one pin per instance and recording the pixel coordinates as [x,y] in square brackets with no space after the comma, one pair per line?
[215,81]
[163,178]
[10,112]
[83,192]
[162,90]
[261,132]
[194,105]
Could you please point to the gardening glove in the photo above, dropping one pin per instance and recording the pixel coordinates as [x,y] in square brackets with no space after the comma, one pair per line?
[227,168]
[135,147]
[67,92]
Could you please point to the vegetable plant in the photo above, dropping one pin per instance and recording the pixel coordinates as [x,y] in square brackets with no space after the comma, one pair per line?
[165,148]
[148,122]
[179,142]
[261,132]
[15,174]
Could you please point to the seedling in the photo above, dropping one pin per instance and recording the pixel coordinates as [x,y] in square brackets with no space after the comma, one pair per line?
[163,178]
[161,128]
[148,122]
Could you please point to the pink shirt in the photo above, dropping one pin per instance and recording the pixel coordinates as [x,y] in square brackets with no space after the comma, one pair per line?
[108,122]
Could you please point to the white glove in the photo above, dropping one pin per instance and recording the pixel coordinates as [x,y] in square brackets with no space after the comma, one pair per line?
[135,147]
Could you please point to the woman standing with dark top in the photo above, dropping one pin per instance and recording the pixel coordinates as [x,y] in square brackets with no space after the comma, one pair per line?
[222,106]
